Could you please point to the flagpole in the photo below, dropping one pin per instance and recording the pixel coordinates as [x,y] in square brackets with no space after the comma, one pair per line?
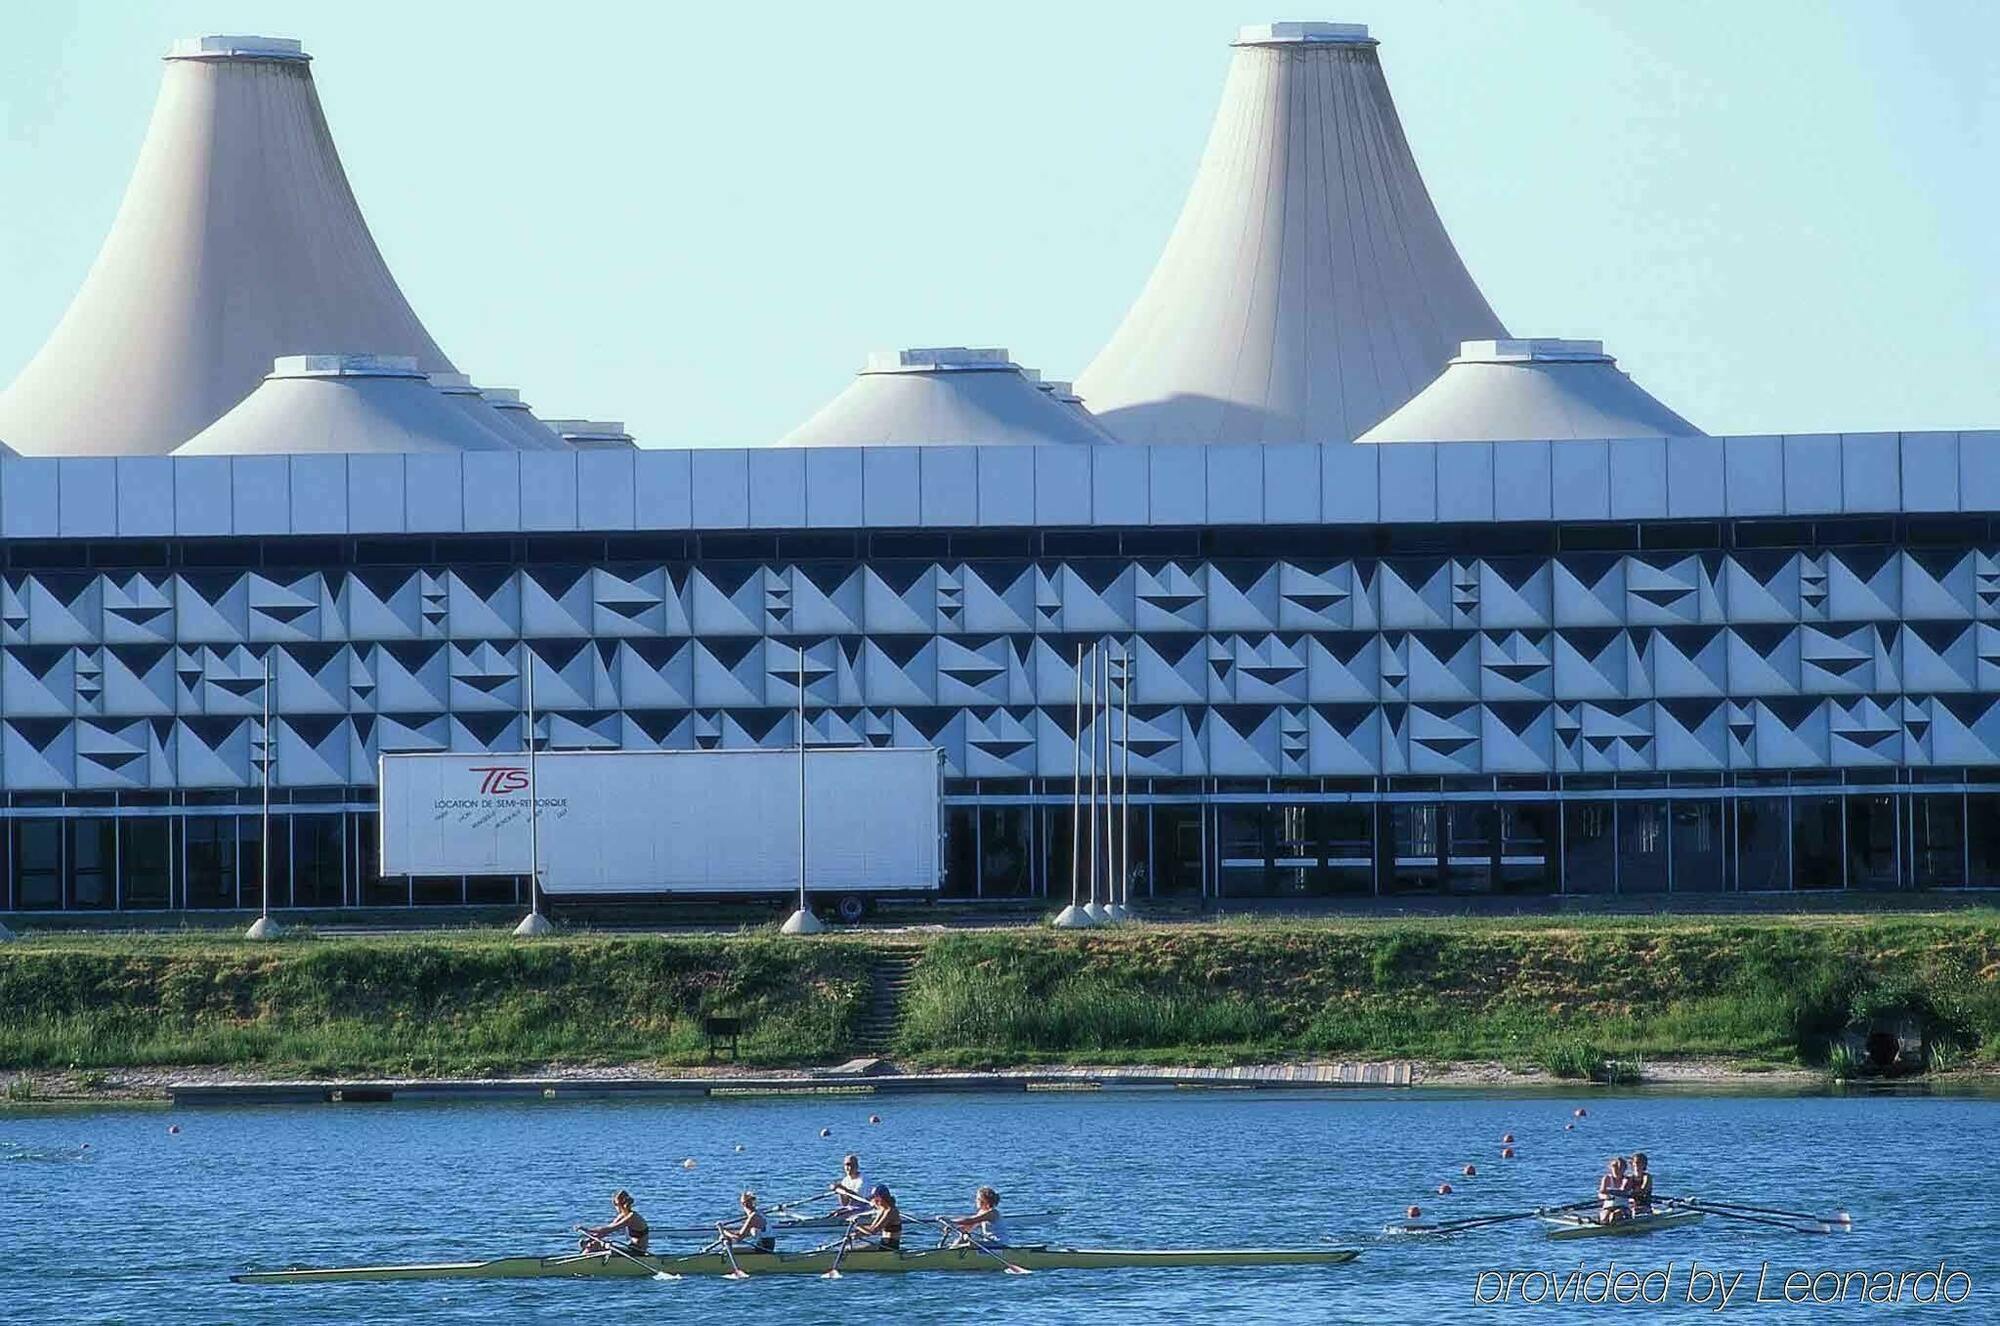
[264,927]
[1074,914]
[802,921]
[534,923]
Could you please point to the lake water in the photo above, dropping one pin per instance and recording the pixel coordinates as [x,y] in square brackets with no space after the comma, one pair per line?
[146,1226]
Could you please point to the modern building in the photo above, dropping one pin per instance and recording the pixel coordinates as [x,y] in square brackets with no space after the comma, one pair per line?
[1409,606]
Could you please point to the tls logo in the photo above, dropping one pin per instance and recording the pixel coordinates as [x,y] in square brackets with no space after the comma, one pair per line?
[499,780]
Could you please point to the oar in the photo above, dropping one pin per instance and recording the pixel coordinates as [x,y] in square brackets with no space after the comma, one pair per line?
[1838,1218]
[1480,1222]
[1797,1224]
[967,1235]
[846,1241]
[605,1245]
[729,1254]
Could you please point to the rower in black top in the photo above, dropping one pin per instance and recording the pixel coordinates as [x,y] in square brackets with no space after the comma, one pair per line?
[1641,1191]
[882,1227]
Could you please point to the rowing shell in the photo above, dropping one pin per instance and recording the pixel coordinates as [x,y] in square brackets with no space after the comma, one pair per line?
[590,1265]
[1588,1227]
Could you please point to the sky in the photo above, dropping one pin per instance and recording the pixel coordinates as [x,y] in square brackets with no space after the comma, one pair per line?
[1779,216]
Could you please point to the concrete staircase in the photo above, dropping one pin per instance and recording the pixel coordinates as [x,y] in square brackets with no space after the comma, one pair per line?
[888,977]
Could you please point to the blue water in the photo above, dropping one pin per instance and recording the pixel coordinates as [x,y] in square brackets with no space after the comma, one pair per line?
[105,1216]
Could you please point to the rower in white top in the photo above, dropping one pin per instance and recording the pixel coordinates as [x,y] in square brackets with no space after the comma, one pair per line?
[850,1190]
[984,1225]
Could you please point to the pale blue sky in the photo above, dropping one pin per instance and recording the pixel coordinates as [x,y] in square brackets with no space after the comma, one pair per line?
[1779,215]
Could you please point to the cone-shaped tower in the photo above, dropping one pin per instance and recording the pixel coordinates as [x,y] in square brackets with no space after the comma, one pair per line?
[1309,287]
[945,395]
[1509,391]
[349,404]
[238,242]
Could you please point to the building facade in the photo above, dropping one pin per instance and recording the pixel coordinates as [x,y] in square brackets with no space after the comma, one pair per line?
[1693,666]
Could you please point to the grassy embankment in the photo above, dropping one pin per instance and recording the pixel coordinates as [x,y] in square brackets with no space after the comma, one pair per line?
[1560,993]
[433,1005]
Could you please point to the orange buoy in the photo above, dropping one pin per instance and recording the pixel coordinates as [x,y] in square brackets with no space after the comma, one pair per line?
[1414,1212]
[1444,1190]
[874,1118]
[1506,1153]
[1507,1140]
[1471,1170]
[826,1132]
[1569,1127]
[1580,1111]
[173,1128]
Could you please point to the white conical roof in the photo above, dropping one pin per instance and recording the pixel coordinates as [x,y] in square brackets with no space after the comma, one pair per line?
[345,403]
[238,241]
[946,395]
[1309,287]
[534,435]
[1504,391]
[458,389]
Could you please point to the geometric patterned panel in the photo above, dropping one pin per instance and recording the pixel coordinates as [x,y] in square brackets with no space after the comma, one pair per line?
[1580,663]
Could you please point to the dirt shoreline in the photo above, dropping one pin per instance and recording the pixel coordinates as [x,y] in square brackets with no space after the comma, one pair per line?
[152,1085]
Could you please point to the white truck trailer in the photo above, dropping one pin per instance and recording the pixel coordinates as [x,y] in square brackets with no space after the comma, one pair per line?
[673,823]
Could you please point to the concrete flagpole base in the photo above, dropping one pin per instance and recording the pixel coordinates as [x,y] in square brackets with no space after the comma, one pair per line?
[802,922]
[1073,917]
[1116,913]
[6,934]
[1098,913]
[533,926]
[263,928]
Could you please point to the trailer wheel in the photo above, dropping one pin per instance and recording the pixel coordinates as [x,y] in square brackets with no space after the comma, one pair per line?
[850,909]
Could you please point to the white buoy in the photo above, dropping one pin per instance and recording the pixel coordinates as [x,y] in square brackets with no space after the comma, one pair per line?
[1073,917]
[263,928]
[802,922]
[533,926]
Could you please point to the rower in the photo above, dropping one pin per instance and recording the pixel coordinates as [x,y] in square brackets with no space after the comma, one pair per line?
[1614,1193]
[850,1190]
[984,1224]
[626,1221]
[752,1230]
[882,1226]
[1642,1185]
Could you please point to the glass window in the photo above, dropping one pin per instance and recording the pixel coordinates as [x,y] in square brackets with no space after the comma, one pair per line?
[1416,846]
[1528,842]
[1697,846]
[494,890]
[250,855]
[1176,856]
[961,852]
[38,853]
[1589,850]
[1937,840]
[439,890]
[1006,851]
[1763,844]
[1348,831]
[365,842]
[1642,847]
[1816,848]
[1871,842]
[316,864]
[146,859]
[211,860]
[1243,852]
[93,863]
[1982,828]
[1473,826]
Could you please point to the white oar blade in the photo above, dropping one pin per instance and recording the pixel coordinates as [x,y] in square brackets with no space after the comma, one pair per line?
[1018,1270]
[664,1276]
[830,1273]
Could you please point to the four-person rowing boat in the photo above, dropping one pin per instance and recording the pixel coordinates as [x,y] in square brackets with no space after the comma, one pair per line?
[750,1263]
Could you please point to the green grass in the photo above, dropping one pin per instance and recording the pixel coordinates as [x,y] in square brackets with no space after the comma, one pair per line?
[423,1006]
[1563,994]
